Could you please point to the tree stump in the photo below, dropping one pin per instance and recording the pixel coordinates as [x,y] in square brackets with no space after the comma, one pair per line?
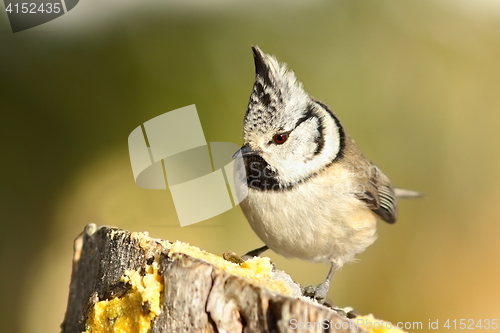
[129,282]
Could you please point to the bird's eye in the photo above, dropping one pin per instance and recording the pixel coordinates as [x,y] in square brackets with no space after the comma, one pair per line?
[280,138]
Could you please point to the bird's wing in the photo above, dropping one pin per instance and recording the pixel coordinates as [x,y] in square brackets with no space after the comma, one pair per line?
[379,196]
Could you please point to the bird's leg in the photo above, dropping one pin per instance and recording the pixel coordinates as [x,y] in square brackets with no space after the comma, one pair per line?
[255,253]
[321,291]
[233,257]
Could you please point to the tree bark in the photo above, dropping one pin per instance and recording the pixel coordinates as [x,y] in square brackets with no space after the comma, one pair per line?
[196,296]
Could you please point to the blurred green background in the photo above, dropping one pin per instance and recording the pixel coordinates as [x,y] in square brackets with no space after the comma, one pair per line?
[416,83]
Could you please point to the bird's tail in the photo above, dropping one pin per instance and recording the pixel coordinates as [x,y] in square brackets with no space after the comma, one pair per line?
[401,193]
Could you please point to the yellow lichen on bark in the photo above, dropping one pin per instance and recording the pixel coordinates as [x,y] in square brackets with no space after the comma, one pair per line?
[133,311]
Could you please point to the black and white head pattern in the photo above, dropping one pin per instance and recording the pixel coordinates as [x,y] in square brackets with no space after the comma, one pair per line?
[291,135]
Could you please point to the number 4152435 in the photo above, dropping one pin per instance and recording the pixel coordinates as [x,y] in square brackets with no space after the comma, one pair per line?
[33,8]
[471,324]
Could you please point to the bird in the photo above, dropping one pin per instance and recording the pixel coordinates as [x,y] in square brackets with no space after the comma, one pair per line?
[306,189]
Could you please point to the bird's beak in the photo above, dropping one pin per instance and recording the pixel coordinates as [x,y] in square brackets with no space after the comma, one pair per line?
[246,151]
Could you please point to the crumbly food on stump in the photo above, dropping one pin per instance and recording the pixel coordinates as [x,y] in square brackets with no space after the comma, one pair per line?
[140,302]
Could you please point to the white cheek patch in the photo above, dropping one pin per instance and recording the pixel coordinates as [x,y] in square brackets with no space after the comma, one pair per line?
[300,157]
[304,140]
[331,136]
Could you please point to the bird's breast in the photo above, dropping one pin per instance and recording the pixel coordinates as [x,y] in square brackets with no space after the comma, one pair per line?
[312,221]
